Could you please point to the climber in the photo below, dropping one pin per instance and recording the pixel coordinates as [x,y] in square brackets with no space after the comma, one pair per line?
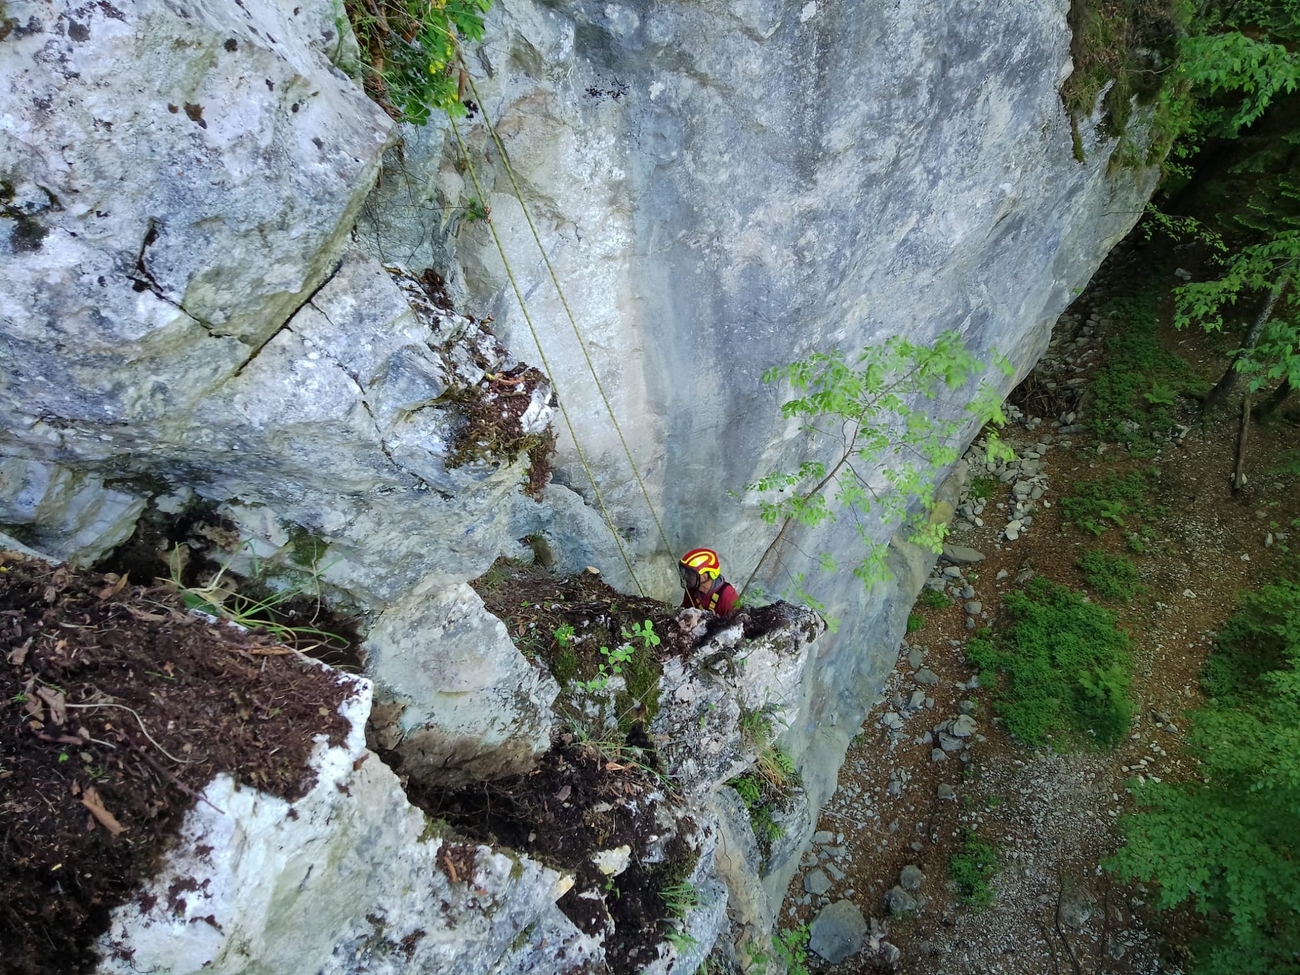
[701,574]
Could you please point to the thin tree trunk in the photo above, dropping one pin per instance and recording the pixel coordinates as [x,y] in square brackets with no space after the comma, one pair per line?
[1225,389]
[1239,480]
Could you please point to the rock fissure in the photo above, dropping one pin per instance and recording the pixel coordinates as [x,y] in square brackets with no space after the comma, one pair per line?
[144,279]
[284,325]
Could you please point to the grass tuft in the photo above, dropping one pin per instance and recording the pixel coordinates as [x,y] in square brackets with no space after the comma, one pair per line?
[972,866]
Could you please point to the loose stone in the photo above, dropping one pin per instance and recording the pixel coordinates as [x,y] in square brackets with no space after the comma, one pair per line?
[817,883]
[838,931]
[900,901]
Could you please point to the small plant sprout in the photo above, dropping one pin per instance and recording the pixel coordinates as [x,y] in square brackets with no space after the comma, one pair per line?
[645,632]
[681,940]
[564,634]
[1162,395]
[615,659]
[680,899]
[476,210]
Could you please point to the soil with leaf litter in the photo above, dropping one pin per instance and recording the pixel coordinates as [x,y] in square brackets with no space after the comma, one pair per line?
[118,708]
[1051,817]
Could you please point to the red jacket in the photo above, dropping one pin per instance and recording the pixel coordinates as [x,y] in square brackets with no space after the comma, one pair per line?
[721,601]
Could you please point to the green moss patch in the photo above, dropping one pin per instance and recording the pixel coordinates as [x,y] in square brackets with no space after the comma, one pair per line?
[1061,671]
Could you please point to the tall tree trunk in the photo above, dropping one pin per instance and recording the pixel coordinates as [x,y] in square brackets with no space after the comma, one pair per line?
[1275,399]
[1225,389]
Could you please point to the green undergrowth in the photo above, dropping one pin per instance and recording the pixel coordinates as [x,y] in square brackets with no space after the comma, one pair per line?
[972,867]
[409,53]
[1229,843]
[1136,391]
[786,954]
[1123,44]
[1125,502]
[765,789]
[585,632]
[1061,671]
[1110,576]
[934,599]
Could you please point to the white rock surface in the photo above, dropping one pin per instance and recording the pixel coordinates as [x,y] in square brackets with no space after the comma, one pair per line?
[348,879]
[71,516]
[471,706]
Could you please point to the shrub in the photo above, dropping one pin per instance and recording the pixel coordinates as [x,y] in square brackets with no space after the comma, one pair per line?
[1113,577]
[1231,843]
[972,866]
[934,599]
[1061,668]
[1112,500]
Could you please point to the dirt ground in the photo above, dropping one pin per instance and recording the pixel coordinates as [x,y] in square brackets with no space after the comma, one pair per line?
[1052,816]
[118,707]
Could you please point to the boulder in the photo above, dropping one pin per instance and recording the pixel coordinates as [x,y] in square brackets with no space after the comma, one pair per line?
[838,932]
[463,703]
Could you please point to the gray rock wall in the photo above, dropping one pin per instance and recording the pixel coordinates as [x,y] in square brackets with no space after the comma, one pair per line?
[722,187]
[726,187]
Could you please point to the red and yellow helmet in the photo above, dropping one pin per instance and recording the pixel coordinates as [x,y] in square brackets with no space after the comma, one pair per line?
[698,564]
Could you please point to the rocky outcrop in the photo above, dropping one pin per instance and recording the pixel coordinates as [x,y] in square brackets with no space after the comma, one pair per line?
[181,310]
[460,703]
[721,188]
[350,878]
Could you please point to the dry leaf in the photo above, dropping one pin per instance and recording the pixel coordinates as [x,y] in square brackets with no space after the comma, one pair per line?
[20,654]
[563,793]
[57,703]
[142,614]
[108,592]
[105,818]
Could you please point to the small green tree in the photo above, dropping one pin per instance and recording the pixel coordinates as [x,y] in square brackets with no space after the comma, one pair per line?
[1230,843]
[883,451]
[1234,61]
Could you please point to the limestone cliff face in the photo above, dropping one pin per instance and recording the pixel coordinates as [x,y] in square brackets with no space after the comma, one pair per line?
[189,305]
[724,187]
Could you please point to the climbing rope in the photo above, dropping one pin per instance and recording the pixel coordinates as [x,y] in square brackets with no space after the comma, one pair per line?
[514,183]
[609,521]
